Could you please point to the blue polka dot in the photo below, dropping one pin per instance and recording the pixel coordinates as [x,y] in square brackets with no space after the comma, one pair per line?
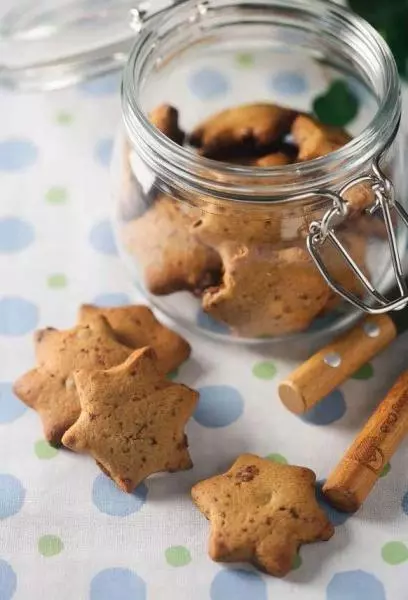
[122,584]
[15,234]
[8,581]
[334,515]
[288,83]
[111,300]
[102,86]
[10,407]
[12,496]
[16,154]
[103,151]
[208,83]
[404,503]
[237,584]
[207,322]
[329,410]
[17,316]
[355,585]
[102,239]
[218,406]
[109,499]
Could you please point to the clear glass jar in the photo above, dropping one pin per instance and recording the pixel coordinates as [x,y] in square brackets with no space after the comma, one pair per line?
[224,247]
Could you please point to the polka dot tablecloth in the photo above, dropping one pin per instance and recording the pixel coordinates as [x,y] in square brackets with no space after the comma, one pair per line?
[66,532]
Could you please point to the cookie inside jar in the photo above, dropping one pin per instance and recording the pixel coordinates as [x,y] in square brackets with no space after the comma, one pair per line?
[247,265]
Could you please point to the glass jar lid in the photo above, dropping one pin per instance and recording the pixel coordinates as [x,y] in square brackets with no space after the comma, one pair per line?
[48,44]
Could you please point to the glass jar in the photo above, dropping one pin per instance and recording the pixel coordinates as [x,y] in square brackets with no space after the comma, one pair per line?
[250,252]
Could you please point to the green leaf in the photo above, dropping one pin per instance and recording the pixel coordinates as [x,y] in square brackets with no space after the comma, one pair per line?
[338,106]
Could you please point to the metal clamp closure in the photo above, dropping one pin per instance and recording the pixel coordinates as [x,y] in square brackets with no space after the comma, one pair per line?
[323,231]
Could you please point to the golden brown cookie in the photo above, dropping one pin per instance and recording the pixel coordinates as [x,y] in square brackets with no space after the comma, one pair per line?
[315,139]
[132,420]
[238,226]
[251,126]
[169,257]
[261,512]
[275,159]
[136,327]
[50,388]
[166,119]
[266,291]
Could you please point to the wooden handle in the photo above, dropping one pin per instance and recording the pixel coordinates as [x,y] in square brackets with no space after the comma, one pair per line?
[354,477]
[332,365]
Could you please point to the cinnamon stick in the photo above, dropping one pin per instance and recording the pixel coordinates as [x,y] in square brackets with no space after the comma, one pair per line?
[354,477]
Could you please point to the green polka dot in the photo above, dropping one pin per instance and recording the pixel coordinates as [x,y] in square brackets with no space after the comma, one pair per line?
[178,556]
[365,372]
[64,118]
[277,458]
[57,281]
[394,553]
[44,451]
[56,195]
[50,545]
[386,470]
[244,60]
[264,370]
[297,562]
[173,374]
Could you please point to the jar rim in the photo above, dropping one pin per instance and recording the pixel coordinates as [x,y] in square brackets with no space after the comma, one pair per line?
[196,173]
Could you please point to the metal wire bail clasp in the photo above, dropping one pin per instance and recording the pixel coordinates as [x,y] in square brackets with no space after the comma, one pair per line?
[322,232]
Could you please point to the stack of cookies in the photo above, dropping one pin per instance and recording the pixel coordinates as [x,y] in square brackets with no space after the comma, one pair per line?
[101,388]
[248,264]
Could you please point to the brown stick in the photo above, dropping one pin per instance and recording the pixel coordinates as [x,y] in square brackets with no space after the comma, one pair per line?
[354,477]
[332,365]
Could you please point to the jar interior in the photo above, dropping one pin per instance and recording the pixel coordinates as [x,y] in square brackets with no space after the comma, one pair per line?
[246,54]
[202,61]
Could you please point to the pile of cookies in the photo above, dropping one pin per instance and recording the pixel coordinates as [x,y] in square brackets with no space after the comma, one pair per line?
[100,388]
[249,266]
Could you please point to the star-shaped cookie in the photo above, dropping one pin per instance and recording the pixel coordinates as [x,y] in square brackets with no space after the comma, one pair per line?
[50,387]
[137,327]
[132,420]
[168,256]
[261,512]
[266,291]
[249,126]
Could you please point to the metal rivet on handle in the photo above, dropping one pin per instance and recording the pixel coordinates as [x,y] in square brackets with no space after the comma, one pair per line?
[371,329]
[333,359]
